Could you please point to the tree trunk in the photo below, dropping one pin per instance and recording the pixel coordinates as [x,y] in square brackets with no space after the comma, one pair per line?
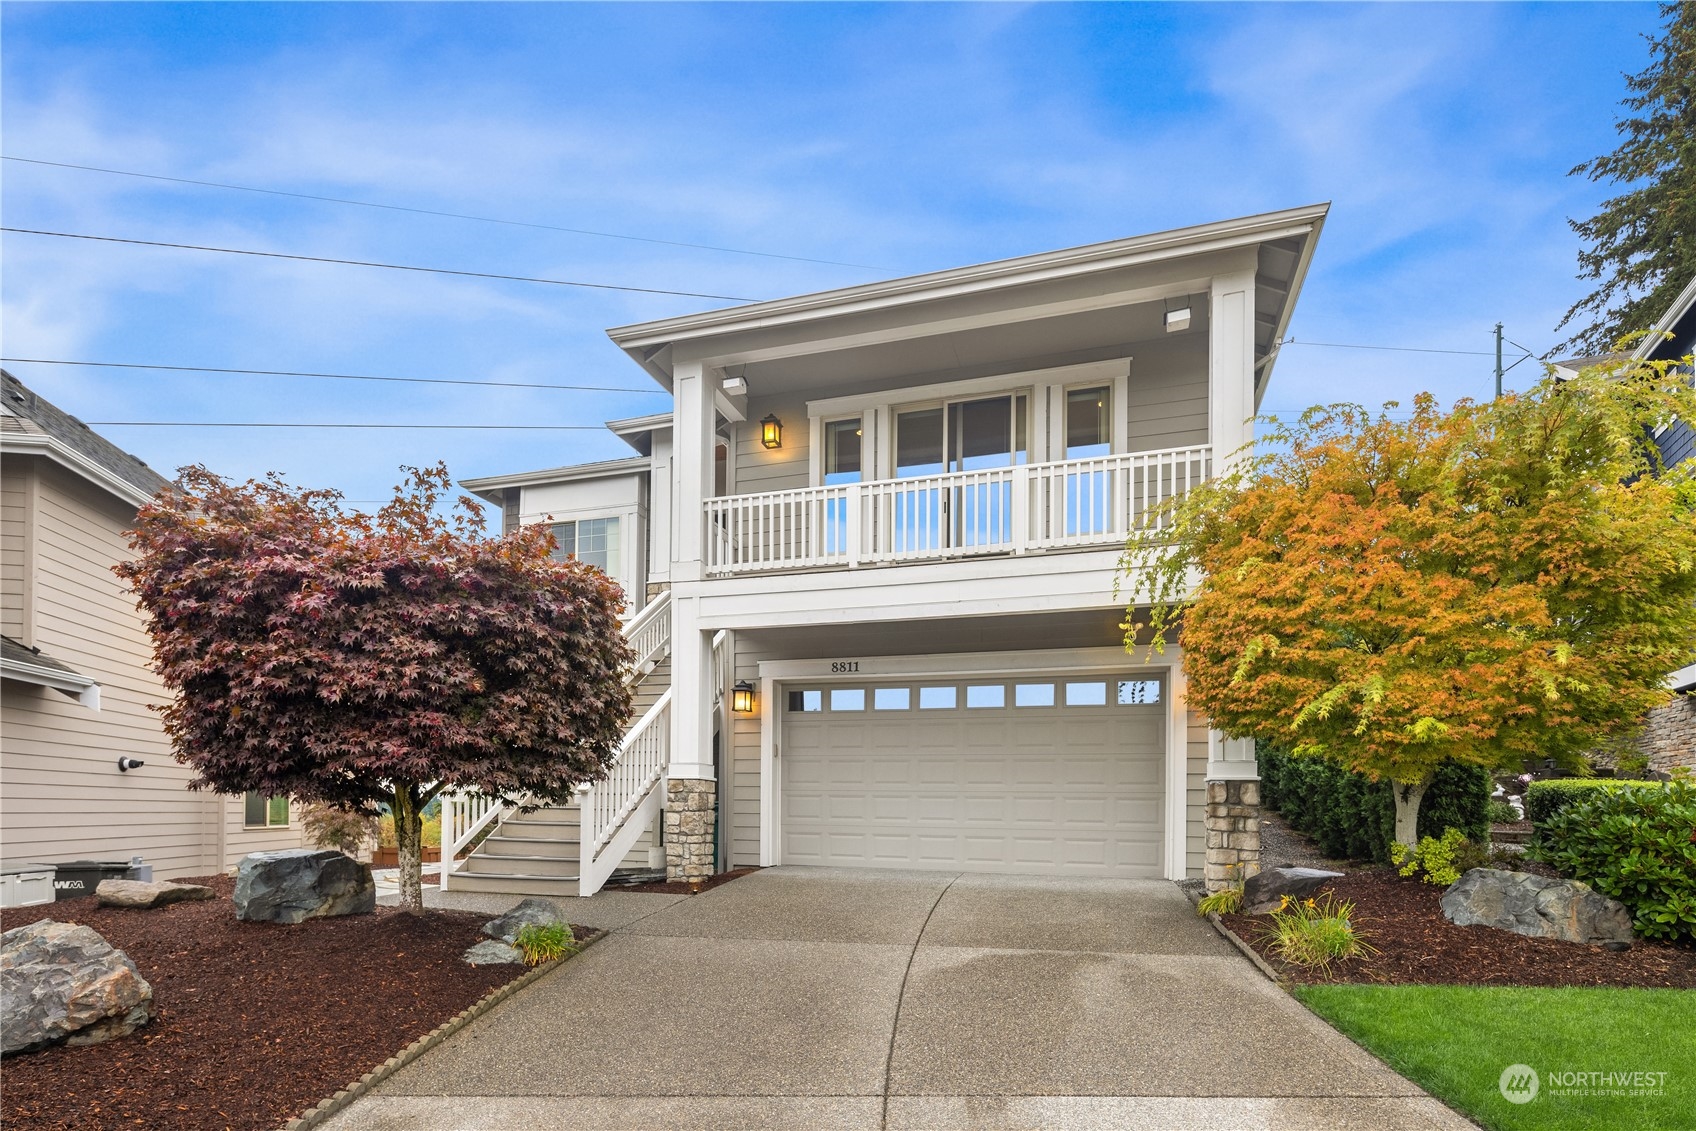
[409,839]
[1408,795]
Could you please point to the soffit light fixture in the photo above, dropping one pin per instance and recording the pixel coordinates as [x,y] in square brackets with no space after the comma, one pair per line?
[1178,317]
[771,432]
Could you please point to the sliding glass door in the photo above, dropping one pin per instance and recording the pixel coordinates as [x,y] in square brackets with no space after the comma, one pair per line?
[978,435]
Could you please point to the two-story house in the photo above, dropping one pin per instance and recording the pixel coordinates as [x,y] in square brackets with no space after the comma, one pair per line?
[874,557]
[86,770]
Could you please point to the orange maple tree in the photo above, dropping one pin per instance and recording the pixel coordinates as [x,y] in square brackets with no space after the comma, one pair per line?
[1489,584]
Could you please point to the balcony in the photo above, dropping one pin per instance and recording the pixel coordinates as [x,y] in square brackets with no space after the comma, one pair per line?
[1070,504]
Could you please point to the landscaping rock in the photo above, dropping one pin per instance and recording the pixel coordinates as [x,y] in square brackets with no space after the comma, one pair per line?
[296,884]
[1265,890]
[493,953]
[538,911]
[135,893]
[63,982]
[1536,906]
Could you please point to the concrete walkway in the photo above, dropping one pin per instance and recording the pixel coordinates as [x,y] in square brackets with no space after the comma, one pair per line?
[817,998]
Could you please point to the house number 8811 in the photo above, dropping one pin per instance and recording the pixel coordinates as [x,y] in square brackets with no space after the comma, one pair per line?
[837,667]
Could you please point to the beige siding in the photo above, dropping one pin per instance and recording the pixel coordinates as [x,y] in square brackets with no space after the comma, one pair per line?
[17,493]
[1195,807]
[1167,394]
[63,795]
[742,755]
[783,469]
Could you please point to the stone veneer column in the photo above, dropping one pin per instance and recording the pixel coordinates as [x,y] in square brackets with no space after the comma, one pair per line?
[690,834]
[1233,832]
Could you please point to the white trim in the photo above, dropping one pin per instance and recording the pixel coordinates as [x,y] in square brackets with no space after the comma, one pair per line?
[876,668]
[79,687]
[628,466]
[1683,679]
[1176,849]
[954,390]
[771,852]
[40,444]
[1656,337]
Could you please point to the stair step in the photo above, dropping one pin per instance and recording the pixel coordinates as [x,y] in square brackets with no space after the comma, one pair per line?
[514,885]
[519,866]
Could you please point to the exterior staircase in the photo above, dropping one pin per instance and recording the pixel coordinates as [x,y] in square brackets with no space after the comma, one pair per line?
[545,852]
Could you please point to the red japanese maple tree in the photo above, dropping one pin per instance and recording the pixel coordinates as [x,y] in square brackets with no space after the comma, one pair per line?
[363,660]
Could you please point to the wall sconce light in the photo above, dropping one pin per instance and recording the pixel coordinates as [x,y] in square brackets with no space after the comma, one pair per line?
[771,432]
[1178,319]
[742,697]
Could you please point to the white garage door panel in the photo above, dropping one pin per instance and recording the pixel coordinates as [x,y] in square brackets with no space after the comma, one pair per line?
[1058,790]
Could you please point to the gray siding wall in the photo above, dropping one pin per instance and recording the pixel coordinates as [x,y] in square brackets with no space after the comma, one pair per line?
[1168,394]
[784,469]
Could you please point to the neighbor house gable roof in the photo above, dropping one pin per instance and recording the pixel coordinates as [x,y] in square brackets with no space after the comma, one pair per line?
[31,424]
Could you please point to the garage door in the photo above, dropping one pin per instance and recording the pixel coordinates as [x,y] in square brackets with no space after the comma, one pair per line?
[1039,775]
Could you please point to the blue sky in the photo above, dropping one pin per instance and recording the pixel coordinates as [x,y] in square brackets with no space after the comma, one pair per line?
[904,138]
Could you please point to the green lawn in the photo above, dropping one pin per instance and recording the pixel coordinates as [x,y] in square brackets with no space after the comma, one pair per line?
[1454,1041]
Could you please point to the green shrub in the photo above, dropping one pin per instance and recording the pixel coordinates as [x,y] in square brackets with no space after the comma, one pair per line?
[1227,899]
[1315,932]
[1636,844]
[1499,812]
[1543,799]
[544,943]
[1351,817]
[1440,858]
[337,828]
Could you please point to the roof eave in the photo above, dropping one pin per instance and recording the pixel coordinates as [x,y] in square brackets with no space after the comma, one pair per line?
[1656,336]
[40,444]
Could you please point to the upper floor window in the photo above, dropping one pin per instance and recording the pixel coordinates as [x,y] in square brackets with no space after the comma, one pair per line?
[591,540]
[1089,430]
[968,435]
[842,448]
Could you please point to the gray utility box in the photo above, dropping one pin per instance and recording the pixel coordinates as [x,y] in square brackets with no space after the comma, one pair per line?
[26,885]
[77,878]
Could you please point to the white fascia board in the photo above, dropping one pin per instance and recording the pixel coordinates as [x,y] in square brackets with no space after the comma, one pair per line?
[36,444]
[638,338]
[1298,276]
[1684,679]
[1063,661]
[605,469]
[1656,337]
[988,587]
[79,687]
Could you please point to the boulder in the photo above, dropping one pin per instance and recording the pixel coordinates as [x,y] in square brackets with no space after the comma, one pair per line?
[1265,890]
[538,911]
[494,953]
[296,884]
[63,982]
[1536,906]
[135,893]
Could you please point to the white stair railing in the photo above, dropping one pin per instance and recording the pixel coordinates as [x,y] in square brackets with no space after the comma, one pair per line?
[464,815]
[649,634]
[615,810]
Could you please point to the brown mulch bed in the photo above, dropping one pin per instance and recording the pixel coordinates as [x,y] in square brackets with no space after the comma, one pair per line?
[671,887]
[1417,946]
[253,1022]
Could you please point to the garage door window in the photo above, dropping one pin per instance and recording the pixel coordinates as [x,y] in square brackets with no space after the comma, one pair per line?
[1135,691]
[1093,694]
[806,700]
[848,699]
[938,698]
[1033,695]
[892,698]
[986,695]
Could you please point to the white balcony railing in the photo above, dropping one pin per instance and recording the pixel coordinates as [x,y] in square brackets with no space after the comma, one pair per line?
[1003,510]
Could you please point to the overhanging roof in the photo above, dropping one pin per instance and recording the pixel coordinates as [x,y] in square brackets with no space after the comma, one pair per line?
[644,342]
[29,665]
[1683,306]
[485,485]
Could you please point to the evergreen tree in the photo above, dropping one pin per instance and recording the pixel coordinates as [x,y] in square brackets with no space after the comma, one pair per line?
[1643,242]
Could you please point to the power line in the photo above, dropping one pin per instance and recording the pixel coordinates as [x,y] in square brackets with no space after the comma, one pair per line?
[368,263]
[434,212]
[334,376]
[1396,349]
[272,424]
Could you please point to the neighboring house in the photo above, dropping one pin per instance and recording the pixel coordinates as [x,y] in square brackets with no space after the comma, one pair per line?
[874,561]
[74,677]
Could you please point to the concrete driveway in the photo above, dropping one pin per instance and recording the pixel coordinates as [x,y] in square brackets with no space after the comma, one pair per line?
[801,998]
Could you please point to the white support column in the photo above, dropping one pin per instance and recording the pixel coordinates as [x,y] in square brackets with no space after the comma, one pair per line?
[1177,769]
[662,514]
[694,416]
[1230,364]
[691,691]
[1230,759]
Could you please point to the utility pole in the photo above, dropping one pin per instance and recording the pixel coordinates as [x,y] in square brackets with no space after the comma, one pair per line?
[1498,361]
